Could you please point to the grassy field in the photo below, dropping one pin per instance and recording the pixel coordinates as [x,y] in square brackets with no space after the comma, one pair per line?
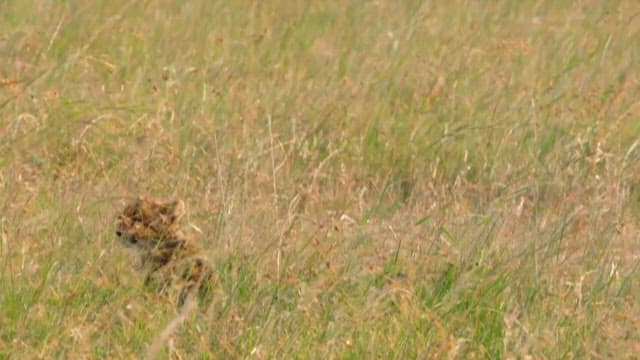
[372,179]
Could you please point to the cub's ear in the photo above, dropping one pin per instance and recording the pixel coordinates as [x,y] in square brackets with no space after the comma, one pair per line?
[176,210]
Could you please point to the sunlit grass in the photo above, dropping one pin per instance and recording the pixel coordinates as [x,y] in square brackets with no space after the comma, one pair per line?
[390,179]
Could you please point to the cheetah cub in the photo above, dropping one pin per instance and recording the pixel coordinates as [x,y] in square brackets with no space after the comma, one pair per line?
[174,263]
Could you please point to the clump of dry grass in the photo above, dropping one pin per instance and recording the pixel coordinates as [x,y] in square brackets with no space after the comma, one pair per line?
[385,179]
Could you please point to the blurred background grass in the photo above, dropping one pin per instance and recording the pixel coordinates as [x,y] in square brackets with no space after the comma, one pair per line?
[373,179]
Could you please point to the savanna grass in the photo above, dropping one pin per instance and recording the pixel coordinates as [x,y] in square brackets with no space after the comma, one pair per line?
[388,179]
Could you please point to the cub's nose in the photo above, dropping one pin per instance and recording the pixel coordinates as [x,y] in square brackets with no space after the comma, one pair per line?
[118,233]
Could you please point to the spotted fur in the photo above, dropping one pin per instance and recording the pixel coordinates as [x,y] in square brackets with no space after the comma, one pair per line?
[174,263]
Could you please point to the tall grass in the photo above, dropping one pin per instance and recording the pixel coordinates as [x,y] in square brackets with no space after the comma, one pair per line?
[389,179]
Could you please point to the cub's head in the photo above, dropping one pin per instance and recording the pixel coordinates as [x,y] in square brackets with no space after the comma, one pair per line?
[146,223]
